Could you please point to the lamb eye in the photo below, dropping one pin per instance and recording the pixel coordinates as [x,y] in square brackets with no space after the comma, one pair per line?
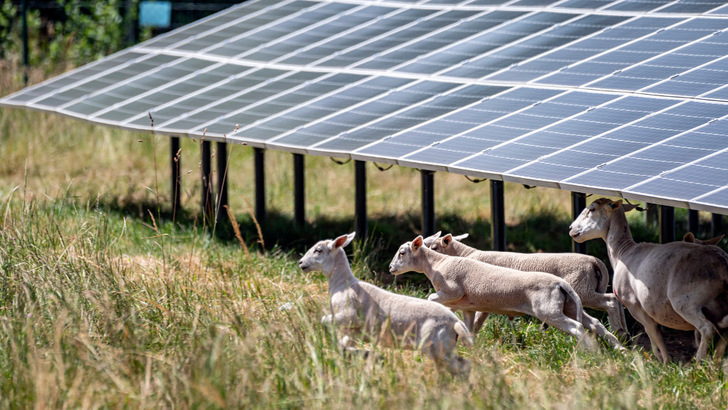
[401,252]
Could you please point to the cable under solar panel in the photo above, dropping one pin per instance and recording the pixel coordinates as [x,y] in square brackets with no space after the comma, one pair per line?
[623,97]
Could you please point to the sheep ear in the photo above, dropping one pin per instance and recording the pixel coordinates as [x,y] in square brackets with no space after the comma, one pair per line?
[417,243]
[689,237]
[615,204]
[460,238]
[446,240]
[431,239]
[343,240]
[629,207]
[713,241]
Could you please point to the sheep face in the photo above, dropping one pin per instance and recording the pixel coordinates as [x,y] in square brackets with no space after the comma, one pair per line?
[593,222]
[321,256]
[405,259]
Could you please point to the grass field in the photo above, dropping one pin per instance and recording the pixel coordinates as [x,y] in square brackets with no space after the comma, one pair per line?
[107,301]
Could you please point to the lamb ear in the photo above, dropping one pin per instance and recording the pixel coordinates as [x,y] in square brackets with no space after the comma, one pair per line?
[460,238]
[446,240]
[417,243]
[343,240]
[431,239]
[689,237]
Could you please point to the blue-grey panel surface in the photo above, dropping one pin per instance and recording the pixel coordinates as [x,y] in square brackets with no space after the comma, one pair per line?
[627,97]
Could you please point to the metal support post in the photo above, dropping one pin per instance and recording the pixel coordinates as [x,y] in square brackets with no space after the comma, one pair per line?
[667,224]
[428,202]
[578,203]
[716,225]
[498,216]
[207,200]
[299,195]
[694,222]
[222,190]
[259,159]
[361,199]
[175,158]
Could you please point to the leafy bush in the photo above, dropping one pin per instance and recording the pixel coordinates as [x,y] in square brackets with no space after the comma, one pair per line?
[72,32]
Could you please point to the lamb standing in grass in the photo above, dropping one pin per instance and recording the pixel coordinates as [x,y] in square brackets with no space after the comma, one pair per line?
[679,285]
[472,286]
[360,309]
[586,274]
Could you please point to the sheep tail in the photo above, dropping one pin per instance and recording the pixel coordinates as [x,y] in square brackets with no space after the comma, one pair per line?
[463,332]
[602,273]
[570,293]
[723,323]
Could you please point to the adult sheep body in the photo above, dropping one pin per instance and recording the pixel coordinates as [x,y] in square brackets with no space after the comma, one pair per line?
[679,285]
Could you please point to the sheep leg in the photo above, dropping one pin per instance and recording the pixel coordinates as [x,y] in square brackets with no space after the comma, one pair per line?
[480,318]
[608,302]
[445,356]
[592,324]
[443,298]
[468,318]
[720,348]
[653,332]
[570,326]
[695,316]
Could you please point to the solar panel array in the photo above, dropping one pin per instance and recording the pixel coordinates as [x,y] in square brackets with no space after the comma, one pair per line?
[625,98]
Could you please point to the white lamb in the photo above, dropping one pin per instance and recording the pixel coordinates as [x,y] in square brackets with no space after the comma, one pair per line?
[360,309]
[586,274]
[472,286]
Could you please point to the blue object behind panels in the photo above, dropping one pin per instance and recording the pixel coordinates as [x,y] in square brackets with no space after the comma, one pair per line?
[628,99]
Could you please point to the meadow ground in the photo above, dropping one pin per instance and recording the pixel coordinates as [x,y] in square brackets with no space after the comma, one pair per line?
[107,300]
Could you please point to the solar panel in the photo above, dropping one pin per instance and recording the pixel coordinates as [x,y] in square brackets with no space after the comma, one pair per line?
[624,97]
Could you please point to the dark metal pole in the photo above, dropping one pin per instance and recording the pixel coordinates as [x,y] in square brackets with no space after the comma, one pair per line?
[130,23]
[578,203]
[694,222]
[207,207]
[222,183]
[361,199]
[667,224]
[299,194]
[651,215]
[716,225]
[175,152]
[24,28]
[259,158]
[428,202]
[497,215]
